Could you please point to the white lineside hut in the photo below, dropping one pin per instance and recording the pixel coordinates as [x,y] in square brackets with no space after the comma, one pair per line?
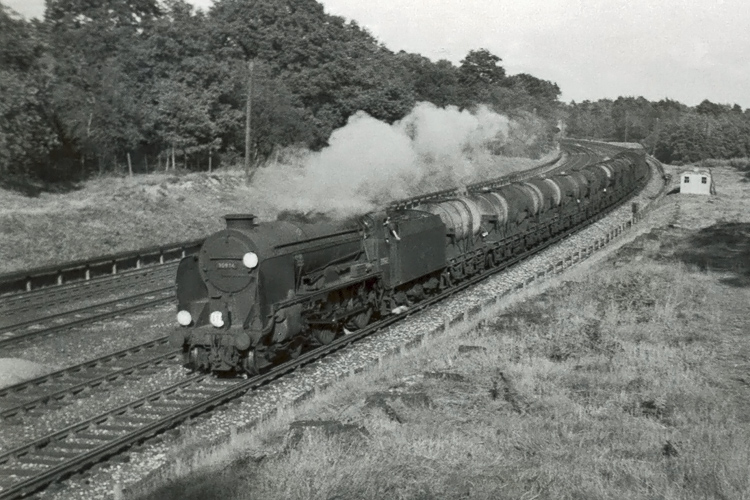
[697,181]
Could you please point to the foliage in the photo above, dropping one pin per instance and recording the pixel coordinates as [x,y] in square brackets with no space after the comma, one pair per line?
[98,85]
[26,132]
[673,132]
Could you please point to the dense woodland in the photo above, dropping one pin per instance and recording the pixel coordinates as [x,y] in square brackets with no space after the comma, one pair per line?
[108,85]
[97,82]
[673,132]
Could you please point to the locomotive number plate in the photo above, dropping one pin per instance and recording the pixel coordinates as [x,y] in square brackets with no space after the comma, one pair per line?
[226,264]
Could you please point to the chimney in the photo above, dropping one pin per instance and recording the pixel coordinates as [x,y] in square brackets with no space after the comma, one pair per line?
[240,221]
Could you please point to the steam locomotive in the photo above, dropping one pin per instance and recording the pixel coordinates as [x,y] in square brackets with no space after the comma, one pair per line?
[259,293]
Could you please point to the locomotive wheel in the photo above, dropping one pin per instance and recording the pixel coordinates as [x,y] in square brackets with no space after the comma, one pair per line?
[295,351]
[256,362]
[324,336]
[360,320]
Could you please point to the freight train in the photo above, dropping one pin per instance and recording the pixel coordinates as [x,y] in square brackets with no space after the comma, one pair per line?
[259,293]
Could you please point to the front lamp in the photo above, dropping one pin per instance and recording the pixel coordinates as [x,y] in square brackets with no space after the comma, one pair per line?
[184,318]
[250,260]
[216,319]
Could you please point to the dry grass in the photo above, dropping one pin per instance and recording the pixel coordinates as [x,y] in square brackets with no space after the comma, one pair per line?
[629,381]
[114,214]
[614,386]
[109,215]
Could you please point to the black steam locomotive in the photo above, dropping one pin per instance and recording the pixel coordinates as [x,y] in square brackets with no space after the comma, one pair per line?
[258,293]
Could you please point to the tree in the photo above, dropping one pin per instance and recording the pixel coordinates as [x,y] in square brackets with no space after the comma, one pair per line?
[26,132]
[481,67]
[96,99]
[536,87]
[434,82]
[712,109]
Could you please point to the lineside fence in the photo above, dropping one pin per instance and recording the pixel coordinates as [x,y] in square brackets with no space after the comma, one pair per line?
[107,265]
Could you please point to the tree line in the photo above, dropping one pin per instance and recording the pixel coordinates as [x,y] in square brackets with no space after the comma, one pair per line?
[673,132]
[114,85]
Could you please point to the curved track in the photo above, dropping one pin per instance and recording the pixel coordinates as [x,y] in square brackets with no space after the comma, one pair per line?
[53,299]
[41,461]
[29,315]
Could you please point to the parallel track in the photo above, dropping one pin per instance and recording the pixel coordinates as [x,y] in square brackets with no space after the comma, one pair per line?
[56,387]
[53,298]
[29,329]
[28,315]
[37,463]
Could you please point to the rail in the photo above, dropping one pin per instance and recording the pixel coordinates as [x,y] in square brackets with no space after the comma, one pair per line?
[118,429]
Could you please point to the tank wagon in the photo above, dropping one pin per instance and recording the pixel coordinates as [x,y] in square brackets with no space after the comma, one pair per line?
[259,293]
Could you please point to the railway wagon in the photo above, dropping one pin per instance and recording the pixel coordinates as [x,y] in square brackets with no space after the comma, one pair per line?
[259,293]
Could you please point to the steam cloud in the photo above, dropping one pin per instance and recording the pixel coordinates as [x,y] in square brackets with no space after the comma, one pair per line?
[370,163]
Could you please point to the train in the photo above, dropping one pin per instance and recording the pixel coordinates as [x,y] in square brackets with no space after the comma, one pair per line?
[258,293]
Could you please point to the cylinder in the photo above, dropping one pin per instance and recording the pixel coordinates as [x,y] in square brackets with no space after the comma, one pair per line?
[461,216]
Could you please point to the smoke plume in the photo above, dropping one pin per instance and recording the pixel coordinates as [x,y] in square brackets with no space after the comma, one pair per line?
[369,163]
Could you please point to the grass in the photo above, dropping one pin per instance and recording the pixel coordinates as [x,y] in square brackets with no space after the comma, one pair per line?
[614,385]
[741,164]
[109,215]
[114,214]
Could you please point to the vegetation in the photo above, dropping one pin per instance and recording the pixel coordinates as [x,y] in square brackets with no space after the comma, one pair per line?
[616,385]
[109,215]
[673,132]
[142,84]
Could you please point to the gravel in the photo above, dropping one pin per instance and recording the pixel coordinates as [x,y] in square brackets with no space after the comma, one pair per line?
[153,459]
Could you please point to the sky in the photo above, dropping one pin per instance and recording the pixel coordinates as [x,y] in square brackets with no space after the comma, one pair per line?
[687,50]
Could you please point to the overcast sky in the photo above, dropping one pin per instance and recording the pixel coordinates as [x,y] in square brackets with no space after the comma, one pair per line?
[687,50]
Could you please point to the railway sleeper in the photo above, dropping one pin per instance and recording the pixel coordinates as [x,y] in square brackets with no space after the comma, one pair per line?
[71,444]
[170,404]
[117,426]
[91,436]
[16,472]
[40,460]
[140,420]
[63,452]
[197,392]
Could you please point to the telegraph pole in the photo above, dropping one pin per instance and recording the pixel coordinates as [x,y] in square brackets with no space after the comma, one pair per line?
[248,111]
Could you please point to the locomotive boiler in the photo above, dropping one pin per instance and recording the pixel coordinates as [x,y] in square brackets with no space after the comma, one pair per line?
[259,293]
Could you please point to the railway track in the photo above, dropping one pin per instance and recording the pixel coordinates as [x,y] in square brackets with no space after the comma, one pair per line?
[80,271]
[14,330]
[41,461]
[52,309]
[54,298]
[57,387]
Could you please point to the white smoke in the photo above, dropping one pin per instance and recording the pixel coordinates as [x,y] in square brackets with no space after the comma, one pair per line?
[369,163]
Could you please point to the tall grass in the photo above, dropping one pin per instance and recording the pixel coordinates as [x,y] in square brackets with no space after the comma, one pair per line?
[611,387]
